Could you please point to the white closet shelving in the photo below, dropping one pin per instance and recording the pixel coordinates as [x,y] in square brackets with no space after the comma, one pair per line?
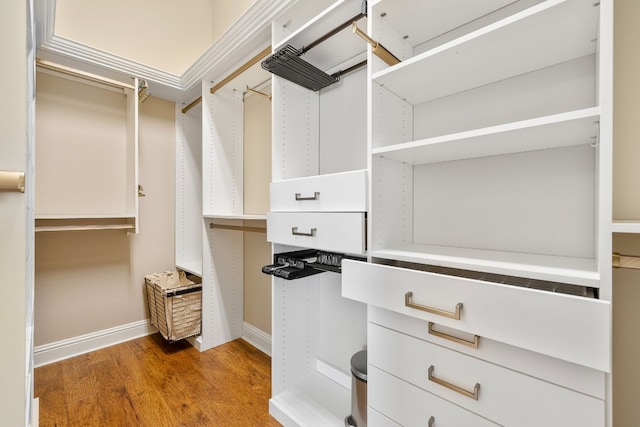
[87,174]
[490,176]
[318,201]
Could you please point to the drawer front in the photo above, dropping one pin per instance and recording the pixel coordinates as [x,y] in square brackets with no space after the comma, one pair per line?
[576,377]
[408,405]
[496,393]
[339,192]
[339,231]
[376,419]
[570,328]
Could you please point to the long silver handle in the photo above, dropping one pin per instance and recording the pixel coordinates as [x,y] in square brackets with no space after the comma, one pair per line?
[12,181]
[471,394]
[408,301]
[295,232]
[316,196]
[472,344]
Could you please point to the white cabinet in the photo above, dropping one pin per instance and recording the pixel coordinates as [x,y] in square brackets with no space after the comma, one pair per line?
[490,210]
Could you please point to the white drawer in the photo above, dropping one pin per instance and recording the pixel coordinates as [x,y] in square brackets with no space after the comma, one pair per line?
[576,377]
[330,231]
[408,405]
[376,419]
[567,327]
[339,192]
[503,396]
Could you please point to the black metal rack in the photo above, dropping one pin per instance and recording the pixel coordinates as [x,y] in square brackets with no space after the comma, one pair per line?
[303,263]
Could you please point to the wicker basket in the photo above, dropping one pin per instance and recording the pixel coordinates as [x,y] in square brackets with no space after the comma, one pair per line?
[175,304]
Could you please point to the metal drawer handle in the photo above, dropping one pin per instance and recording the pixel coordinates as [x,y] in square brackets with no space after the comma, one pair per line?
[471,394]
[452,315]
[316,196]
[295,232]
[431,422]
[472,344]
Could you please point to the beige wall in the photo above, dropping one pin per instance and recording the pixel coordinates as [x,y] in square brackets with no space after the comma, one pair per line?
[13,281]
[165,34]
[257,176]
[87,281]
[626,205]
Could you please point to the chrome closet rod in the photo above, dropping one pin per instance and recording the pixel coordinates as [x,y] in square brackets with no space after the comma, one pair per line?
[625,261]
[47,65]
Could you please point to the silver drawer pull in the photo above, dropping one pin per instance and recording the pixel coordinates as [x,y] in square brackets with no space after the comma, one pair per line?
[295,232]
[431,422]
[451,315]
[316,196]
[472,344]
[471,394]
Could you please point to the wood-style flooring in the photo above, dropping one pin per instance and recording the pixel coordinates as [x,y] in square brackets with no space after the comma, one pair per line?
[149,382]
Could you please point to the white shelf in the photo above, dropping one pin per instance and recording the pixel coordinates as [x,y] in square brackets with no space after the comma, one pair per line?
[559,130]
[241,217]
[337,49]
[436,16]
[51,228]
[549,33]
[317,401]
[193,267]
[620,226]
[577,271]
[87,216]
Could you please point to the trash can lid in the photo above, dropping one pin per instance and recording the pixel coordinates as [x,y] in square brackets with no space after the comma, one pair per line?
[359,365]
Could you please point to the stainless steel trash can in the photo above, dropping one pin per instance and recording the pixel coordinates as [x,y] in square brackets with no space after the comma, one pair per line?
[358,417]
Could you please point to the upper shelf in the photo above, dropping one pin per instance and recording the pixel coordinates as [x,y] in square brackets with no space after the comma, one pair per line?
[543,35]
[558,130]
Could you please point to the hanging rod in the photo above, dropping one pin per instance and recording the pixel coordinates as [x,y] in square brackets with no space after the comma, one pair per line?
[195,102]
[241,69]
[238,228]
[377,49]
[47,65]
[257,92]
[625,261]
[12,181]
[331,33]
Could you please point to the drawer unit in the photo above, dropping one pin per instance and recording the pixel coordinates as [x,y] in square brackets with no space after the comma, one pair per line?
[570,328]
[330,231]
[569,375]
[408,405]
[339,192]
[494,392]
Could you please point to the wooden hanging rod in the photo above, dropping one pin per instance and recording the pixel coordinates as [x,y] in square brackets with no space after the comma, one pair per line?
[377,49]
[239,228]
[257,92]
[241,69]
[195,102]
[47,65]
[625,261]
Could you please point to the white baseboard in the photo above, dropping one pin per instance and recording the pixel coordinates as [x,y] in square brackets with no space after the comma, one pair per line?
[35,412]
[257,338]
[65,349]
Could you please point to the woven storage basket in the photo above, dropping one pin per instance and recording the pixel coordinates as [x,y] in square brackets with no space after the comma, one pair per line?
[175,304]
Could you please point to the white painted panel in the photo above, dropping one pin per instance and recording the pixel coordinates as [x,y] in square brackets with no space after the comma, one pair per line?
[392,118]
[391,203]
[539,202]
[564,87]
[222,286]
[343,324]
[223,152]
[343,124]
[340,232]
[189,189]
[410,406]
[341,192]
[295,131]
[544,35]
[575,329]
[504,396]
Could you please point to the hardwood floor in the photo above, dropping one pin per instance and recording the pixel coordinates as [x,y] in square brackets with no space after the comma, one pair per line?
[149,382]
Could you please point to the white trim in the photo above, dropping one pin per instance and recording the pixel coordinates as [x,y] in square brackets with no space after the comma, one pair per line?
[35,412]
[65,349]
[257,338]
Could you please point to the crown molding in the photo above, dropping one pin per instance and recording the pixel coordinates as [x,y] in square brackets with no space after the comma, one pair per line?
[250,33]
